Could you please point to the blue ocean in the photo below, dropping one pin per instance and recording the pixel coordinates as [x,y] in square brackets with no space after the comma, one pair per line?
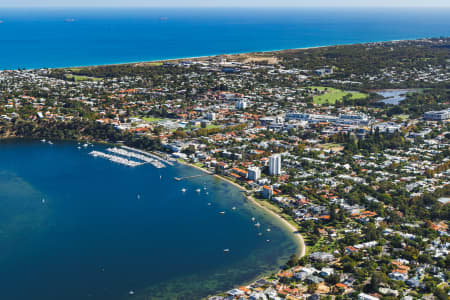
[36,38]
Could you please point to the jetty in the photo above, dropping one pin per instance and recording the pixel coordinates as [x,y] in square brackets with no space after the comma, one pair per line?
[149,154]
[120,151]
[116,159]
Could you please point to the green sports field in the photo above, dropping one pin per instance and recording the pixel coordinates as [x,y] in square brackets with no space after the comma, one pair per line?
[332,95]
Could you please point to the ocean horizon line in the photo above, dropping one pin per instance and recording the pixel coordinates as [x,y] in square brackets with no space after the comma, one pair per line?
[340,7]
[87,37]
[167,59]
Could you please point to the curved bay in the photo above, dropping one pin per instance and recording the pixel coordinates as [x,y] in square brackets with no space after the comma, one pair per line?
[94,238]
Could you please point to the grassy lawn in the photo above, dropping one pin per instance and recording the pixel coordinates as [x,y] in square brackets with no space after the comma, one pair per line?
[401,117]
[155,64]
[82,78]
[330,145]
[150,119]
[332,95]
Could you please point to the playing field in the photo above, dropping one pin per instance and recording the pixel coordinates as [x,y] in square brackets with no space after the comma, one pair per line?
[82,78]
[331,95]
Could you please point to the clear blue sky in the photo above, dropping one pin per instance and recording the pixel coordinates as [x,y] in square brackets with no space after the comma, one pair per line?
[250,3]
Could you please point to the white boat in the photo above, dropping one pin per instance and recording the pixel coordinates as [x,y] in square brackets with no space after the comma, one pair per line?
[207,193]
[268,229]
[198,190]
[209,204]
[226,250]
[183,190]
[138,196]
[222,212]
[253,219]
[43,201]
[257,224]
[233,208]
[50,142]
[85,145]
[131,293]
[268,241]
[259,234]
[160,176]
[43,140]
[78,147]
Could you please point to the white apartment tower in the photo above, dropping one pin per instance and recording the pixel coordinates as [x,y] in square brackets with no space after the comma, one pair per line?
[241,104]
[275,165]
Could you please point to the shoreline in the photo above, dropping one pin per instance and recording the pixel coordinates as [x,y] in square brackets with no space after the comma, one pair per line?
[209,56]
[291,228]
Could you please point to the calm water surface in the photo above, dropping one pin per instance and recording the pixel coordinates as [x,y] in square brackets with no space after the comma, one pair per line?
[35,38]
[93,238]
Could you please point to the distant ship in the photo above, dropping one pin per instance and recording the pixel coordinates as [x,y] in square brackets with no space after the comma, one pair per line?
[69,20]
[164,18]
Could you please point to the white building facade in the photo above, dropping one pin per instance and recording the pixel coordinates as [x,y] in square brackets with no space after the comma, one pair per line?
[254,173]
[275,165]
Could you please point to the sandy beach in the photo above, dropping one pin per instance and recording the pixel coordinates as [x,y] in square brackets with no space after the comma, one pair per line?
[265,54]
[298,237]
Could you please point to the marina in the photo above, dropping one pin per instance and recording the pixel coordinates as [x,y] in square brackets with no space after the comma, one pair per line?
[155,157]
[116,159]
[145,158]
[130,157]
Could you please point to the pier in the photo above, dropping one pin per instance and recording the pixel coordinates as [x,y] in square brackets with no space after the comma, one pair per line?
[156,157]
[116,159]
